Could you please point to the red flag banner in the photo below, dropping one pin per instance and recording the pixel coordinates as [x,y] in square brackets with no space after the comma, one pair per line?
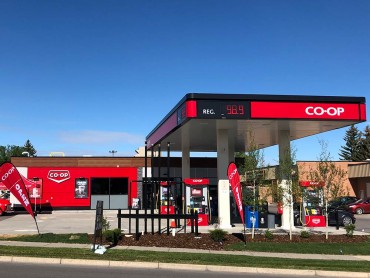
[11,178]
[234,179]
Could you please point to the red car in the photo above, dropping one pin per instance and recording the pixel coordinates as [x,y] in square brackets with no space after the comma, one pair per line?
[360,207]
[5,206]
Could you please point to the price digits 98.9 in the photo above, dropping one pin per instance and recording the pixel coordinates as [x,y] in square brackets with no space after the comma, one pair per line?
[235,109]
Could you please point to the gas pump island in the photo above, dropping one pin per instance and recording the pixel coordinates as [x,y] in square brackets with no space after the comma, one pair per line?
[168,203]
[197,199]
[312,193]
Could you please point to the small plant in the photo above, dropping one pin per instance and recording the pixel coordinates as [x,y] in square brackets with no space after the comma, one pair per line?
[305,234]
[112,235]
[218,235]
[350,228]
[269,234]
[105,224]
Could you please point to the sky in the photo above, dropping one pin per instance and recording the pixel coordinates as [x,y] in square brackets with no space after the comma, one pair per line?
[85,77]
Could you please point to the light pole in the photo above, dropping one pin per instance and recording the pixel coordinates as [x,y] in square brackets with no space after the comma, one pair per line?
[112,152]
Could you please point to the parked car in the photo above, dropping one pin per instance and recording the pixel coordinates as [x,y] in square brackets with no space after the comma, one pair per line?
[344,217]
[341,202]
[360,207]
[5,206]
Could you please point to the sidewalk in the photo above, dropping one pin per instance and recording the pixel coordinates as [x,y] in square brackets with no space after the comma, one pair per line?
[155,265]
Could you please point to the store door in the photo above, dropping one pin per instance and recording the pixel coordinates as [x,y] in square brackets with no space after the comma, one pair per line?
[112,191]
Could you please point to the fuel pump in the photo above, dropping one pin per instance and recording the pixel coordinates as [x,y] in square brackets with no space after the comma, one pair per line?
[167,199]
[312,201]
[197,199]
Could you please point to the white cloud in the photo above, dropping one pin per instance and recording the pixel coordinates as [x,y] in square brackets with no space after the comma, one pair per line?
[100,137]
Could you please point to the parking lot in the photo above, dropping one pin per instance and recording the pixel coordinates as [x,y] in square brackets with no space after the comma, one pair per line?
[83,221]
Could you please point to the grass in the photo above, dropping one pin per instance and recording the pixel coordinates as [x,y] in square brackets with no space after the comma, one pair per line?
[186,258]
[195,258]
[52,238]
[362,248]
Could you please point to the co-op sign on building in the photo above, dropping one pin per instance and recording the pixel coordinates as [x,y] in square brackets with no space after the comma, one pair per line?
[290,110]
[228,109]
[59,175]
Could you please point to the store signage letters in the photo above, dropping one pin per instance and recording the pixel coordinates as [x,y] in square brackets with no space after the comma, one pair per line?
[59,175]
[302,110]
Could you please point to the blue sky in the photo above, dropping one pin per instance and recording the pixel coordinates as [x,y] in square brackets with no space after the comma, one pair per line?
[85,76]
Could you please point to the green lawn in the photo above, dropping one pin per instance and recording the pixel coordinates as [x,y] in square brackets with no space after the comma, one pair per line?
[204,259]
[186,258]
[362,248]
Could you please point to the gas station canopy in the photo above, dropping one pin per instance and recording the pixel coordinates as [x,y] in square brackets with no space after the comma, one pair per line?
[194,121]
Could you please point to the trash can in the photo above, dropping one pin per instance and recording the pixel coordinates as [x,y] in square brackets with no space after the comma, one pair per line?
[271,221]
[251,217]
[262,216]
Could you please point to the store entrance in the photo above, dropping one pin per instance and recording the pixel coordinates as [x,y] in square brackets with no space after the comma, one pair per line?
[112,191]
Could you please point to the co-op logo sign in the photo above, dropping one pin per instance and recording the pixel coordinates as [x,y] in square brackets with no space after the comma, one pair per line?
[319,111]
[59,175]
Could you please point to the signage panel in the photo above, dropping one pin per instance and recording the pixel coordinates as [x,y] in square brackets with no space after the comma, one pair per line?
[222,109]
[305,110]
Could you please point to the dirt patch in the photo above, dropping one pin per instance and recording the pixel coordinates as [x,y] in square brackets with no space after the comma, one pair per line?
[204,240]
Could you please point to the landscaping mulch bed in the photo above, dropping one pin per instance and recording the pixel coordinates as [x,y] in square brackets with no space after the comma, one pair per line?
[204,240]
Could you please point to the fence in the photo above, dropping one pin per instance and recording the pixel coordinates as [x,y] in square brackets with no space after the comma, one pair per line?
[193,217]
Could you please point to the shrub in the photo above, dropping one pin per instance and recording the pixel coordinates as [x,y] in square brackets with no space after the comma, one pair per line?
[269,234]
[112,235]
[218,235]
[305,234]
[350,228]
[105,224]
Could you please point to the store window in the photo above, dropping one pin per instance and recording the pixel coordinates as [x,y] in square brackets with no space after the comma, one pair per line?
[109,186]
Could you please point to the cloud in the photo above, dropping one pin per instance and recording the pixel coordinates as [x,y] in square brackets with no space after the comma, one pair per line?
[97,137]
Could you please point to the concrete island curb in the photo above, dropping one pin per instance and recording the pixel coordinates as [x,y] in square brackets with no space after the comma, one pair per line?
[211,268]
[197,251]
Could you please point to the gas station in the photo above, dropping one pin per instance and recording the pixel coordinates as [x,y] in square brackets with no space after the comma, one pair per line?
[223,123]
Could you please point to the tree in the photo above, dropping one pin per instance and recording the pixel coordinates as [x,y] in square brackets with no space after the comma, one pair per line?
[352,149]
[365,143]
[28,147]
[6,152]
[331,176]
[251,169]
[288,191]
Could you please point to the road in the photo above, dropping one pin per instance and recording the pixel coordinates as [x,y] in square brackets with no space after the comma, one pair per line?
[363,223]
[22,270]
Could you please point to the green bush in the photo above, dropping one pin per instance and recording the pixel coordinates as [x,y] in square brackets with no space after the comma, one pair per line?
[269,234]
[218,235]
[350,228]
[305,234]
[112,235]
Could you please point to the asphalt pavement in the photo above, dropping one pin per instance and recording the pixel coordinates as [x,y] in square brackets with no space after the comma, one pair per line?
[84,222]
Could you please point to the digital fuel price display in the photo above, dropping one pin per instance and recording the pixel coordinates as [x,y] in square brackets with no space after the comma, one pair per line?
[222,109]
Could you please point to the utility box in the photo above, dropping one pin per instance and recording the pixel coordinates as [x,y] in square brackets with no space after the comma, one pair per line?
[251,217]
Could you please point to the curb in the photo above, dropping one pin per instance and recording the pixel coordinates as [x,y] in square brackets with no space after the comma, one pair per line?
[212,268]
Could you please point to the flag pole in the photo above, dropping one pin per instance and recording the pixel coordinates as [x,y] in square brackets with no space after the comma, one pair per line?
[245,237]
[37,226]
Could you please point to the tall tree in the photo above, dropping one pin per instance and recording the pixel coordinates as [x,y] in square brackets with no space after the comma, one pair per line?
[288,189]
[253,162]
[331,175]
[6,152]
[28,147]
[352,149]
[365,143]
